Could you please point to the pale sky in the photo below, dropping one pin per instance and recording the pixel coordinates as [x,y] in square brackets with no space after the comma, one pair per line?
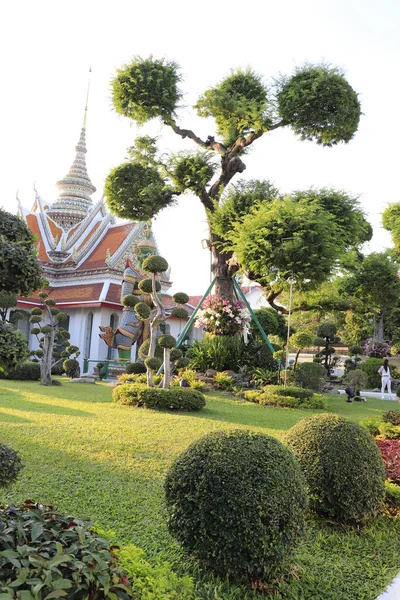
[47,47]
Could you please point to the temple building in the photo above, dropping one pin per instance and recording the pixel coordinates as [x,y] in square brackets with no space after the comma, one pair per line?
[83,251]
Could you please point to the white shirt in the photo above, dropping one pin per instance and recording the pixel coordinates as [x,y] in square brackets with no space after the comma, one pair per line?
[384,373]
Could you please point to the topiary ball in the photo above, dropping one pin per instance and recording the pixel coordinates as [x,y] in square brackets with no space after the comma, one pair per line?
[129,300]
[153,363]
[43,295]
[342,466]
[135,368]
[180,298]
[71,367]
[10,466]
[35,319]
[144,351]
[36,311]
[35,330]
[146,286]
[236,501]
[176,354]
[166,341]
[155,264]
[142,310]
[72,349]
[54,311]
[60,317]
[179,313]
[50,302]
[45,329]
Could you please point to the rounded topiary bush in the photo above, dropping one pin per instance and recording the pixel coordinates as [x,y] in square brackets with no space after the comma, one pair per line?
[27,371]
[153,363]
[180,298]
[146,286]
[135,368]
[142,310]
[129,300]
[236,501]
[179,313]
[310,375]
[10,466]
[71,367]
[370,366]
[176,354]
[36,311]
[166,341]
[155,264]
[144,350]
[48,555]
[138,394]
[342,466]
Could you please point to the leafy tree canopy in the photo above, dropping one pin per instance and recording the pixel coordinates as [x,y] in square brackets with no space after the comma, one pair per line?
[20,271]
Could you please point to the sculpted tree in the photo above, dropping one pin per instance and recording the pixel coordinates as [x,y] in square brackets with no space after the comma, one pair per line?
[316,102]
[53,339]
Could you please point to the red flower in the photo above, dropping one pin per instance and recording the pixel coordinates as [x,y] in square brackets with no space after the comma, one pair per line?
[390,451]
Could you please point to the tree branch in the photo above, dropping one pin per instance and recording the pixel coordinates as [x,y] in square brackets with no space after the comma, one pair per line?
[184,133]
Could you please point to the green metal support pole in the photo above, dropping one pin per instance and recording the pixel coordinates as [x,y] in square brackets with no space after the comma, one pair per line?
[85,364]
[106,369]
[256,321]
[188,325]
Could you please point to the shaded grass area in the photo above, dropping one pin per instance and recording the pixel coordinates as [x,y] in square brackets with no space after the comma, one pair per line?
[87,456]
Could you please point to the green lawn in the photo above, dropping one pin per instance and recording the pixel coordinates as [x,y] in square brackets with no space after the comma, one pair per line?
[87,456]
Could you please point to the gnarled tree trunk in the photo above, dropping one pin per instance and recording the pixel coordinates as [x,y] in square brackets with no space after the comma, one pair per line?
[47,359]
[378,326]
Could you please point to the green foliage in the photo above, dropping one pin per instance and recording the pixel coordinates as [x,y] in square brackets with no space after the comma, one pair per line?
[310,375]
[176,354]
[166,341]
[26,371]
[291,397]
[129,300]
[238,201]
[191,171]
[35,319]
[50,302]
[135,368]
[136,192]
[295,392]
[180,298]
[147,88]
[184,399]
[357,379]
[144,351]
[7,299]
[356,350]
[158,582]
[320,105]
[13,347]
[221,353]
[239,105]
[43,295]
[370,366]
[236,501]
[392,416]
[261,377]
[327,330]
[153,363]
[72,349]
[20,271]
[342,466]
[142,310]
[155,264]
[146,286]
[59,317]
[47,555]
[10,466]
[272,322]
[223,381]
[45,329]
[179,313]
[71,367]
[301,339]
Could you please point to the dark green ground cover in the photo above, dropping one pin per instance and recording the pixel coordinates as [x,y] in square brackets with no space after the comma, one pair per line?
[88,456]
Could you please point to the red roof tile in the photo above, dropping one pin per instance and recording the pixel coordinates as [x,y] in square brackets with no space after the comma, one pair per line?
[33,225]
[111,241]
[72,293]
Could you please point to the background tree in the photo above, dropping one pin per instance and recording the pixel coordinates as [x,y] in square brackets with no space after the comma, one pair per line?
[326,333]
[51,337]
[376,288]
[299,341]
[13,347]
[316,102]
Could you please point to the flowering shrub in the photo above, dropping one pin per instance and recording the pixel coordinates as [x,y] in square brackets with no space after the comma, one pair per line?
[376,349]
[221,317]
[390,451]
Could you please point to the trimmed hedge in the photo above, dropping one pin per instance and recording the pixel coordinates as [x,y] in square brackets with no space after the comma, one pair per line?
[294,392]
[27,371]
[272,398]
[135,368]
[342,466]
[184,399]
[236,501]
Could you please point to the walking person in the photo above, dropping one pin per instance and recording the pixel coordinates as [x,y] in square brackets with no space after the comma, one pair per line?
[384,372]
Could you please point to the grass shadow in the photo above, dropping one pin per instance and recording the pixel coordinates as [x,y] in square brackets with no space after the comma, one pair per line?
[21,403]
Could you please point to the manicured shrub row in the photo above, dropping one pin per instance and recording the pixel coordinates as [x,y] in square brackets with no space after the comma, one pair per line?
[10,465]
[158,398]
[236,501]
[291,397]
[390,451]
[342,466]
[27,371]
[49,554]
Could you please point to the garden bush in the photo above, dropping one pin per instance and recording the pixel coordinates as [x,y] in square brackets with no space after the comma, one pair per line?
[370,366]
[27,371]
[153,582]
[342,466]
[269,397]
[10,466]
[357,379]
[71,367]
[390,452]
[295,392]
[310,375]
[47,555]
[135,368]
[221,353]
[223,381]
[184,399]
[236,501]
